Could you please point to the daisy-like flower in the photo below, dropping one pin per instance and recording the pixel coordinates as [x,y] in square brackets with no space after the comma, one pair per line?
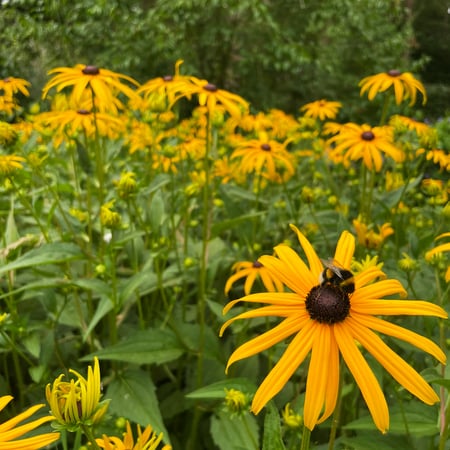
[146,440]
[9,163]
[438,156]
[102,85]
[370,238]
[77,402]
[439,249]
[354,142]
[265,156]
[321,109]
[404,84]
[170,87]
[328,317]
[12,86]
[210,95]
[11,430]
[251,271]
[420,128]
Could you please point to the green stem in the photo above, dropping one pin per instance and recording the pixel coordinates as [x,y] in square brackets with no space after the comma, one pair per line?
[90,436]
[305,438]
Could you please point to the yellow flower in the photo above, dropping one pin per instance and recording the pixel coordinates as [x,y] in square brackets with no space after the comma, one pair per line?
[264,156]
[236,401]
[108,218]
[146,440]
[404,84]
[170,87]
[356,142]
[10,430]
[127,184]
[368,237]
[438,156]
[438,250]
[251,271]
[12,86]
[327,319]
[9,163]
[291,418]
[321,109]
[101,85]
[420,128]
[7,133]
[210,95]
[76,402]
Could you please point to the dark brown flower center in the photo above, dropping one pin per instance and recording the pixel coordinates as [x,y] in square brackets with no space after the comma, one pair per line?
[327,304]
[167,78]
[83,112]
[394,73]
[210,87]
[7,80]
[257,265]
[91,70]
[368,136]
[266,147]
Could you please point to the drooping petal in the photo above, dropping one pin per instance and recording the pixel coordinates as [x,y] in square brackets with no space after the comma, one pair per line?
[291,359]
[364,377]
[396,366]
[287,328]
[399,332]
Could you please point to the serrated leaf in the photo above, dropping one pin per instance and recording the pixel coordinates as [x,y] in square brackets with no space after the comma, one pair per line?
[152,346]
[133,396]
[236,432]
[217,390]
[55,252]
[272,430]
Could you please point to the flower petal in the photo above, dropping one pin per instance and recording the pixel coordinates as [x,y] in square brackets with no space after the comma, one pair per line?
[398,307]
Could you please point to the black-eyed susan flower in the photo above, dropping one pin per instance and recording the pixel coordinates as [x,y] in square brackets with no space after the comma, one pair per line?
[9,163]
[211,96]
[404,84]
[327,318]
[101,85]
[438,250]
[252,271]
[354,142]
[264,156]
[11,430]
[437,156]
[8,133]
[146,440]
[11,86]
[368,236]
[77,401]
[321,109]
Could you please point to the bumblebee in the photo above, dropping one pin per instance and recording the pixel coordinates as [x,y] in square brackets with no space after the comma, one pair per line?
[337,276]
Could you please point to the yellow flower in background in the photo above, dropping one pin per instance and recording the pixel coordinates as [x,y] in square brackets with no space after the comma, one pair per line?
[77,401]
[291,418]
[437,156]
[11,86]
[420,128]
[9,163]
[109,218]
[126,185]
[404,84]
[8,133]
[236,401]
[329,315]
[11,430]
[321,109]
[251,271]
[210,95]
[370,238]
[438,250]
[355,142]
[146,440]
[101,84]
[264,156]
[169,87]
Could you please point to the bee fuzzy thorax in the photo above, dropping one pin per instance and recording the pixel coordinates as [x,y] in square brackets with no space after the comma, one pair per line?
[337,276]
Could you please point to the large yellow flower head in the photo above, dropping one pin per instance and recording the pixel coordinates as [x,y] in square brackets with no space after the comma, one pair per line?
[77,401]
[327,313]
[354,142]
[404,84]
[102,86]
[11,430]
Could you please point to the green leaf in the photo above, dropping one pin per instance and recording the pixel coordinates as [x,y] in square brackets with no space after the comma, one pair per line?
[239,432]
[374,441]
[56,252]
[217,390]
[104,306]
[151,346]
[442,382]
[229,224]
[272,430]
[133,397]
